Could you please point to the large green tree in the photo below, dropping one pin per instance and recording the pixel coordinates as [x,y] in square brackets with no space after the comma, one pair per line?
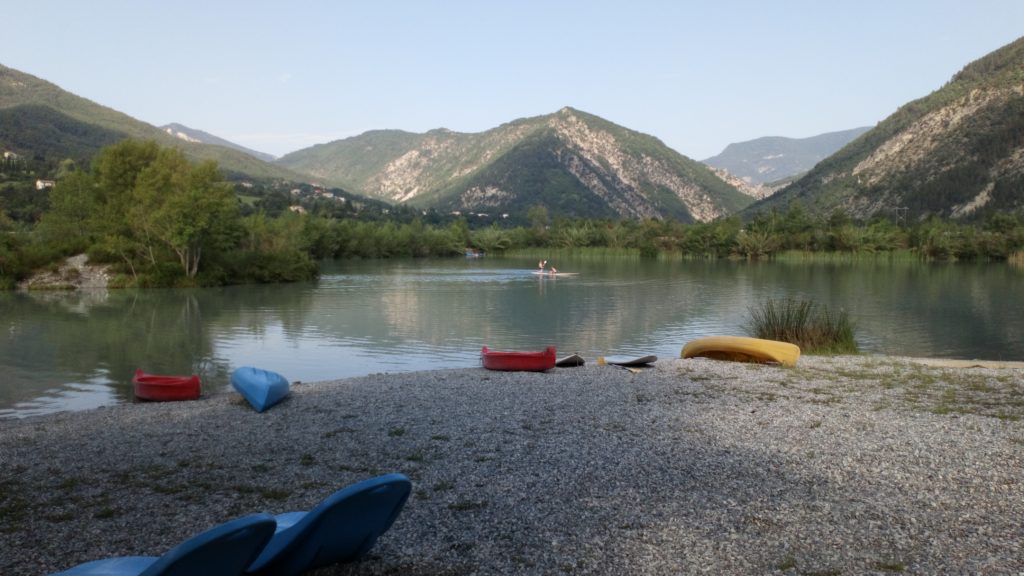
[70,224]
[116,170]
[186,208]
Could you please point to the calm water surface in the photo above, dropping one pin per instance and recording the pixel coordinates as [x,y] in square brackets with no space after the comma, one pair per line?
[78,351]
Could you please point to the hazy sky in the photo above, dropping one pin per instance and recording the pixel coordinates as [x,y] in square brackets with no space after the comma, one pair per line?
[280,76]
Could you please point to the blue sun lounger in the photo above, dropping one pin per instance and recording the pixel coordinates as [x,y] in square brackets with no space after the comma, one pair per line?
[341,528]
[225,550]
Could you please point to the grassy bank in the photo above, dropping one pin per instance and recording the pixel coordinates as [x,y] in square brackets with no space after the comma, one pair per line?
[811,256]
[589,253]
[1016,259]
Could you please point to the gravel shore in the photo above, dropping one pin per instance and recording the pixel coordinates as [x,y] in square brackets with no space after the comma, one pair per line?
[843,465]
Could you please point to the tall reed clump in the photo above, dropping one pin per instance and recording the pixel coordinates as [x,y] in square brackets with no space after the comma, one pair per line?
[815,329]
[1016,259]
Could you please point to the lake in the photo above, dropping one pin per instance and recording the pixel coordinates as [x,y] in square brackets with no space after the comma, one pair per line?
[74,351]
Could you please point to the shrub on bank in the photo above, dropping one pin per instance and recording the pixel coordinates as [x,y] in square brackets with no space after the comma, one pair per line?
[815,329]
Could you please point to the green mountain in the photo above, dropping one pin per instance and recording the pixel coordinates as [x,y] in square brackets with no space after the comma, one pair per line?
[39,118]
[573,163]
[958,152]
[47,133]
[774,158]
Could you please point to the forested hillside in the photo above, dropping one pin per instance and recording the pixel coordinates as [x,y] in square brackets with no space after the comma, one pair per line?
[40,132]
[91,125]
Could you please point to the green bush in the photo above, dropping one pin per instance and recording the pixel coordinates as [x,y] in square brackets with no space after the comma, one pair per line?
[271,267]
[815,329]
[159,275]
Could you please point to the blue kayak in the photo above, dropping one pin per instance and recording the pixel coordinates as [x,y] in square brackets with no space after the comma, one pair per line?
[262,388]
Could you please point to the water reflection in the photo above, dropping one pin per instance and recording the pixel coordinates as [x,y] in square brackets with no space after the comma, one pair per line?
[78,350]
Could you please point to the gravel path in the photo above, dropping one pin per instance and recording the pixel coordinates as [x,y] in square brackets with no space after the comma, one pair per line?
[845,465]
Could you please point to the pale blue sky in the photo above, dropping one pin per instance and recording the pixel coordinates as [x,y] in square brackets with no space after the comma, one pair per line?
[280,76]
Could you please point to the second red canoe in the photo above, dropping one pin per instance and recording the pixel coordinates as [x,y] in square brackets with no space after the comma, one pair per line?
[520,361]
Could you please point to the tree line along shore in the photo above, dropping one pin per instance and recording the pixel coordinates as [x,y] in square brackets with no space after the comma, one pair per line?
[160,220]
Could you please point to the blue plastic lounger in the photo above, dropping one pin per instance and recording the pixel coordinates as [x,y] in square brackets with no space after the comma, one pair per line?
[340,529]
[262,388]
[224,550]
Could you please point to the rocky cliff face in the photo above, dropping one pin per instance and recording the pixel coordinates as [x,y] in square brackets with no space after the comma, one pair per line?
[921,148]
[958,152]
[596,157]
[572,162]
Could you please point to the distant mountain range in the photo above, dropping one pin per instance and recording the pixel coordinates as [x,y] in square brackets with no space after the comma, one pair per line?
[573,163]
[774,158]
[192,135]
[958,152]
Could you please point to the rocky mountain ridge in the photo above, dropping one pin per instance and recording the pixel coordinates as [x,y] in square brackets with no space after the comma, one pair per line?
[958,152]
[575,162]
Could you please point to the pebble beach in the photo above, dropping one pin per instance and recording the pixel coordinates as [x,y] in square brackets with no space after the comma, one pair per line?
[842,465]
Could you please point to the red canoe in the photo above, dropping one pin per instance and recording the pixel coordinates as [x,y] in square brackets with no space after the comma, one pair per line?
[528,361]
[165,388]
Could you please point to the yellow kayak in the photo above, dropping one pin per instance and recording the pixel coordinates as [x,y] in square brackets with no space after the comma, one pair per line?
[743,349]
